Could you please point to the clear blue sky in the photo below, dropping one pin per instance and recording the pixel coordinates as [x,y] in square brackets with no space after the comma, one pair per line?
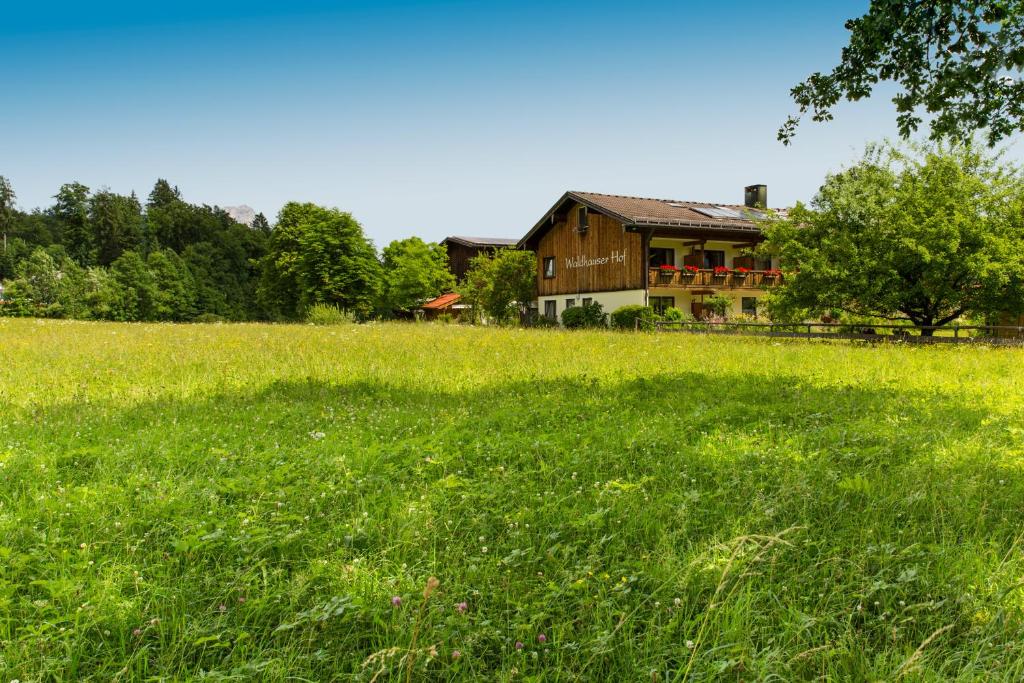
[426,118]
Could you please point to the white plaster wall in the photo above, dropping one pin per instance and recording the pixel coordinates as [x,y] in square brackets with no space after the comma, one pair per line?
[609,300]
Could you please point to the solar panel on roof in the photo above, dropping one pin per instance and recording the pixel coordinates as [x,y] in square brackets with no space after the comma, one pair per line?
[734,214]
[717,212]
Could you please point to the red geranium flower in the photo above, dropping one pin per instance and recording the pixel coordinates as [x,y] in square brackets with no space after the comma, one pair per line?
[669,268]
[721,270]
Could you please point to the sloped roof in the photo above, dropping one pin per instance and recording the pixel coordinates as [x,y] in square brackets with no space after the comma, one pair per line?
[443,301]
[646,211]
[642,210]
[481,241]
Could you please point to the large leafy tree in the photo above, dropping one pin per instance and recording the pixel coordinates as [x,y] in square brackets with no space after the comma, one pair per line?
[925,235]
[137,284]
[502,285]
[958,61]
[319,255]
[174,287]
[414,271]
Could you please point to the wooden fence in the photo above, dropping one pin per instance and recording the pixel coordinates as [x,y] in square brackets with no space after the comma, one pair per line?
[949,334]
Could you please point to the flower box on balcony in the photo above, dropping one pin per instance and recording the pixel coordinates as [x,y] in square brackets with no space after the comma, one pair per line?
[720,271]
[666,272]
[740,273]
[689,271]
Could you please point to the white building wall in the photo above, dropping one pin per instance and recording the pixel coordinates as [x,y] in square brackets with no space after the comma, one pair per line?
[609,300]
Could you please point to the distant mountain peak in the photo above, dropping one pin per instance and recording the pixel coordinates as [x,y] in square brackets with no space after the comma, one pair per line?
[243,213]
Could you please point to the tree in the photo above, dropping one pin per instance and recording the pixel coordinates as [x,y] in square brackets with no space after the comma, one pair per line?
[7,198]
[163,195]
[515,282]
[72,210]
[117,225]
[38,282]
[261,224]
[137,284]
[414,271]
[174,287]
[924,235]
[951,58]
[499,285]
[319,255]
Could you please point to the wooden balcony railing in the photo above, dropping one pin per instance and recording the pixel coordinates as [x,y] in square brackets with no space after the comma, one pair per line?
[708,279]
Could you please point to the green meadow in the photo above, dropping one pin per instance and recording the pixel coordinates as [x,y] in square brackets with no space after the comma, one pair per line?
[239,502]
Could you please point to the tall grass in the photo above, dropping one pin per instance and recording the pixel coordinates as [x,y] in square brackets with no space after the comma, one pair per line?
[270,502]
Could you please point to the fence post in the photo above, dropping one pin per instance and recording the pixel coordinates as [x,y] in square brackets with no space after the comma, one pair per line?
[956,331]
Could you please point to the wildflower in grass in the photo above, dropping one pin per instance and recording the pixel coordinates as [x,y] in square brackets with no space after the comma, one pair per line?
[677,602]
[456,654]
[461,607]
[519,645]
[690,645]
[222,608]
[241,599]
[541,638]
[396,601]
[137,632]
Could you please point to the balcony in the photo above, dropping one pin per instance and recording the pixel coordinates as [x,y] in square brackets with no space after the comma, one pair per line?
[708,279]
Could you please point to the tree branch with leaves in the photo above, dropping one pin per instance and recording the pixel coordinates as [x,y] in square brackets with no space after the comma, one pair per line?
[957,61]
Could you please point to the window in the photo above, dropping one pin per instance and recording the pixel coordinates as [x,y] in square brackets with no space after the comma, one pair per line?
[587,301]
[549,267]
[749,305]
[551,309]
[763,263]
[659,256]
[569,303]
[661,303]
[582,219]
[714,258]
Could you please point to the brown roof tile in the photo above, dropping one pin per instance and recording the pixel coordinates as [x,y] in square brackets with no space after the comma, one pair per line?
[644,210]
[652,212]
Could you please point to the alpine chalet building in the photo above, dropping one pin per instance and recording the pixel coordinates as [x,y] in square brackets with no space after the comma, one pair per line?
[618,250]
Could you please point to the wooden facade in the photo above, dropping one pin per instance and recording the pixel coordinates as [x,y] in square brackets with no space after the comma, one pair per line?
[463,249]
[604,257]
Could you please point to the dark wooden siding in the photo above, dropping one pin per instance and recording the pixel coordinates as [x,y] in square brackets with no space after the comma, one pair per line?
[604,239]
[459,256]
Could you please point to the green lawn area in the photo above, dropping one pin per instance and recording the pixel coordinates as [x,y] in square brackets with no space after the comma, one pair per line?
[245,501]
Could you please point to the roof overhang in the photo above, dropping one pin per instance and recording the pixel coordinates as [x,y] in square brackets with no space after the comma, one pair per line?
[547,221]
[483,245]
[741,230]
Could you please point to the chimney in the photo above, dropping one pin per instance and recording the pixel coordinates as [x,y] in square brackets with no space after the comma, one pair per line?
[756,196]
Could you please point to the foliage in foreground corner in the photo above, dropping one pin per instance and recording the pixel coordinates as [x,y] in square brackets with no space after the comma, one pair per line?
[959,62]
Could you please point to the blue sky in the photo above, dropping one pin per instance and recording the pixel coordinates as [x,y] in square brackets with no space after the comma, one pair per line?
[425,118]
